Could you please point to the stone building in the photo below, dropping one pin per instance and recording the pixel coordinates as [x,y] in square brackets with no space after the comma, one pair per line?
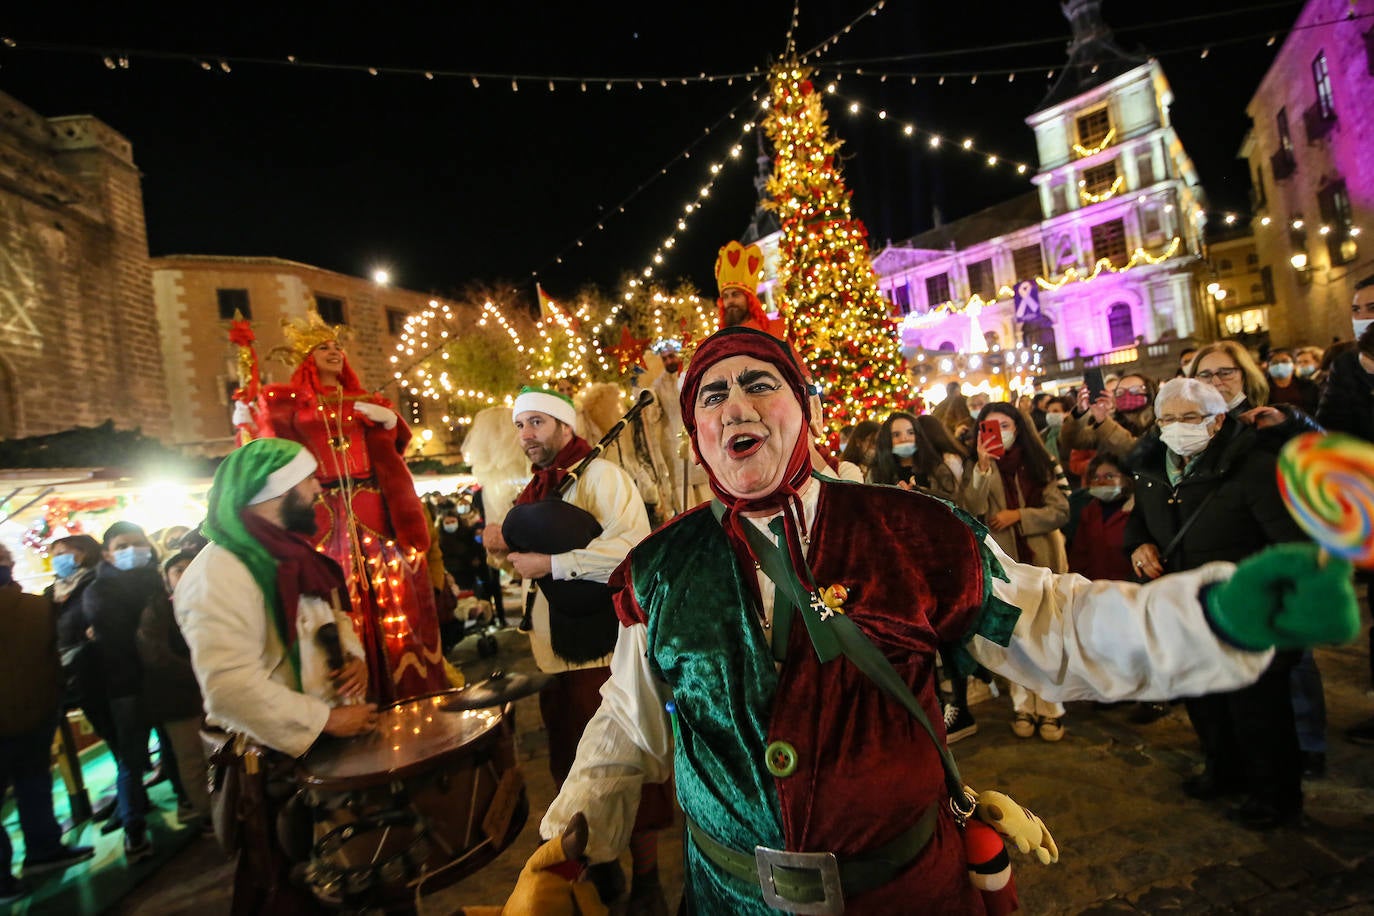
[1241,289]
[79,337]
[1100,264]
[1312,170]
[198,295]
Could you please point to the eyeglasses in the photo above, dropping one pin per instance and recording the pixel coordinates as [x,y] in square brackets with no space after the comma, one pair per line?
[1192,419]
[1207,375]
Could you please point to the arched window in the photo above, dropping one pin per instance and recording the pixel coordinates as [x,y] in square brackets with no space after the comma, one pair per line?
[1120,327]
[1040,332]
[948,346]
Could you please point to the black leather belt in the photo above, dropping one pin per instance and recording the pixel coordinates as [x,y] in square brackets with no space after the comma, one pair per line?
[817,882]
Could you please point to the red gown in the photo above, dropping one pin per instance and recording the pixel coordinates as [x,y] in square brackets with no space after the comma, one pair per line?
[369,520]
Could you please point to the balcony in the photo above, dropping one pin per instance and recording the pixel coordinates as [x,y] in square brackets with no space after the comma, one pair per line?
[1282,164]
[1318,121]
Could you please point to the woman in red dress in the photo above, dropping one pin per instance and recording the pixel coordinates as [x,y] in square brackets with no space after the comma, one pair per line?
[370,518]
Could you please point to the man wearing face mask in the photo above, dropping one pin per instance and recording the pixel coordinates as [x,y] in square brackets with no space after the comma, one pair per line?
[126,581]
[1206,492]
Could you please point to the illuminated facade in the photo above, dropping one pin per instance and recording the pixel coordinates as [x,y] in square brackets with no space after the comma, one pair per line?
[1312,170]
[1101,259]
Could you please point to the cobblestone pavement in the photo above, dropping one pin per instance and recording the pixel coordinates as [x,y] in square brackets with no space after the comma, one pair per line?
[1130,842]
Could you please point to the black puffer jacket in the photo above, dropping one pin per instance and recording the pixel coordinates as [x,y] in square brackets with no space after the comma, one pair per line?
[1347,404]
[1245,516]
[113,604]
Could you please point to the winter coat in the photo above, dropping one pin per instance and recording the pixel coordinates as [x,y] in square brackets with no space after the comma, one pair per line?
[1245,516]
[984,497]
[1273,438]
[113,605]
[30,674]
[1095,537]
[170,691]
[1347,400]
[1114,436]
[1301,393]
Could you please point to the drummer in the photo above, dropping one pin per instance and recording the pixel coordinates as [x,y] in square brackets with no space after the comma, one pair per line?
[250,605]
[544,428]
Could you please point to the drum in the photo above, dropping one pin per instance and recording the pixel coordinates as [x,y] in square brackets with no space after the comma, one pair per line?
[429,797]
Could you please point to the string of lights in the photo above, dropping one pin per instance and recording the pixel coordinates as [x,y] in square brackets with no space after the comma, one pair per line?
[599,224]
[933,140]
[822,47]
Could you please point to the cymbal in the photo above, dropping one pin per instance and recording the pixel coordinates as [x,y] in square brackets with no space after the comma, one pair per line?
[497,690]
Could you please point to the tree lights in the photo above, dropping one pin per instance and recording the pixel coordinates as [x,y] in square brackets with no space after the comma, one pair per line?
[838,321]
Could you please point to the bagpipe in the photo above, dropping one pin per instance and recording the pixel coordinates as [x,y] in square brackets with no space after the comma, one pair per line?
[582,623]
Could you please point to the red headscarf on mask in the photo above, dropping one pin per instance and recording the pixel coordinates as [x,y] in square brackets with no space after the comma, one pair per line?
[742,341]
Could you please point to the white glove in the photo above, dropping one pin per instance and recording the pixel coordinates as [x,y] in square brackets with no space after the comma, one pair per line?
[376,413]
[243,414]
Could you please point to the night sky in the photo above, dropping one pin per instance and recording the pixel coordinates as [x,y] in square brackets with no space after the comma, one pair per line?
[447,184]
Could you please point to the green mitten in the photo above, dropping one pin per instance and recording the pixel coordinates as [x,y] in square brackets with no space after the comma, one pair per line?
[1286,597]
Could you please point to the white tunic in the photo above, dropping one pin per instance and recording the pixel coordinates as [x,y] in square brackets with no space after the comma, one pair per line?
[608,493]
[244,673]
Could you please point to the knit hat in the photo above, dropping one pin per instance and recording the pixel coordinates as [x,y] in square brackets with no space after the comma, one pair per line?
[549,402]
[263,466]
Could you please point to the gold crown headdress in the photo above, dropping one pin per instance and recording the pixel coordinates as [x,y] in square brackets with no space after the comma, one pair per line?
[305,334]
[738,265]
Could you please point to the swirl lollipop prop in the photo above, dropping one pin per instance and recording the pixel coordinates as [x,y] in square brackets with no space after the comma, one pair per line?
[1327,483]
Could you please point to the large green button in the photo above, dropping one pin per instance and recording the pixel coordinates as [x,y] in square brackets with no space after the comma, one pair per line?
[781,759]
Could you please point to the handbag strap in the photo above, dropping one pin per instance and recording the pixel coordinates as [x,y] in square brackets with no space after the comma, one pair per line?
[1188,523]
[833,633]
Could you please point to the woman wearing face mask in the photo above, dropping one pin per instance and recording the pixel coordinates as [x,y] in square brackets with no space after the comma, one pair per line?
[1056,412]
[1022,498]
[1206,492]
[1114,422]
[1098,525]
[1307,362]
[857,457]
[905,457]
[126,581]
[74,561]
[1287,387]
[1229,368]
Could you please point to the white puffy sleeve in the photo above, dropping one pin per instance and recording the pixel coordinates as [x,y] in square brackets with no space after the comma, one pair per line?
[609,494]
[628,742]
[1078,639]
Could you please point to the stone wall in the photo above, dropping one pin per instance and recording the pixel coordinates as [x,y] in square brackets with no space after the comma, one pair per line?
[79,336]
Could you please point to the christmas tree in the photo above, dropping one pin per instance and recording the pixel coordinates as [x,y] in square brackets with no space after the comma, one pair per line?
[837,320]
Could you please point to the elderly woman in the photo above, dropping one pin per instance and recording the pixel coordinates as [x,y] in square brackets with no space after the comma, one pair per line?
[1205,492]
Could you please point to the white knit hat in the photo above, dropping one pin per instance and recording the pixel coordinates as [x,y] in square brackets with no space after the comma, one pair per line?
[549,402]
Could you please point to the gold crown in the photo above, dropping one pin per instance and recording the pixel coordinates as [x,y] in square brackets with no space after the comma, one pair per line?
[305,334]
[737,265]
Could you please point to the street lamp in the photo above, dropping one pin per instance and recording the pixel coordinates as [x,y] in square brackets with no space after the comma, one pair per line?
[381,276]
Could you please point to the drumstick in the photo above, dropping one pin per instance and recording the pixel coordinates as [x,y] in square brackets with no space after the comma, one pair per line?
[327,637]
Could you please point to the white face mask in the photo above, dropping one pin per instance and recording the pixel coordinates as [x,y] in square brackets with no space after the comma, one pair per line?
[1008,438]
[1235,401]
[1106,494]
[1280,370]
[1306,371]
[1360,324]
[1186,439]
[904,449]
[1054,420]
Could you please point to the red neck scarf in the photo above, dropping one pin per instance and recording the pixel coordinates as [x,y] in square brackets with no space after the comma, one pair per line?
[545,482]
[1017,482]
[301,569]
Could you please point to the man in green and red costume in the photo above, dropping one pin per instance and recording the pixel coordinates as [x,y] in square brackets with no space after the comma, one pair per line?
[778,739]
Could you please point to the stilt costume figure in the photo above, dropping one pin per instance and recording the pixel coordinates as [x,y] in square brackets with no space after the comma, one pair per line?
[370,518]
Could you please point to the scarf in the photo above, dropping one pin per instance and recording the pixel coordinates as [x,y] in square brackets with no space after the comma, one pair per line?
[301,570]
[546,481]
[62,588]
[1016,483]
